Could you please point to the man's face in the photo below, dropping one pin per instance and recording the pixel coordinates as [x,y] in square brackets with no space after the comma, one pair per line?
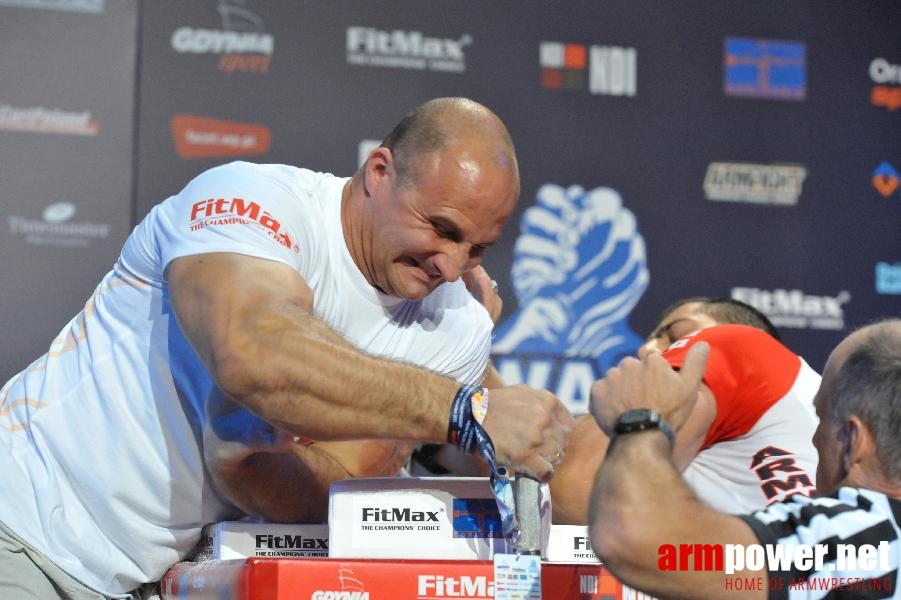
[830,438]
[438,224]
[686,319]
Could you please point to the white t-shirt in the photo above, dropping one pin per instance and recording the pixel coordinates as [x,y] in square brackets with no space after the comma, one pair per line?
[101,438]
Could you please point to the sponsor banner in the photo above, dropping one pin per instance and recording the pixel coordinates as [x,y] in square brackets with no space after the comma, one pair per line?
[359,579]
[754,183]
[885,179]
[56,227]
[795,309]
[888,278]
[204,137]
[757,68]
[242,45]
[887,77]
[605,70]
[406,49]
[83,6]
[37,119]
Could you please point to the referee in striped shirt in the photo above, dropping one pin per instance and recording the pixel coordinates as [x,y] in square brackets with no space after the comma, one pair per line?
[654,534]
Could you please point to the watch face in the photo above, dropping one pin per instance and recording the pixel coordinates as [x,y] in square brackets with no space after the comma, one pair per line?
[640,418]
[635,417]
[643,419]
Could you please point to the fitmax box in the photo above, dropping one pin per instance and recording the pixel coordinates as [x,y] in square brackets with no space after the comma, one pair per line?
[570,544]
[243,539]
[362,579]
[415,518]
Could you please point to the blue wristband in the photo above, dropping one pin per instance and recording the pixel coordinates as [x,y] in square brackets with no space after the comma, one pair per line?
[465,432]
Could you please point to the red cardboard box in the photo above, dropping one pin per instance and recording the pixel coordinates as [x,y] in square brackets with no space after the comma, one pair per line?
[375,579]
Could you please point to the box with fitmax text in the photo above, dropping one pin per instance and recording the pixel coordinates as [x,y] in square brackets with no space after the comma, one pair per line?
[244,539]
[415,518]
[570,544]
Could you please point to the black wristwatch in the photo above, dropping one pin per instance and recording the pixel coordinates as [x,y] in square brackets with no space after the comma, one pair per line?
[642,419]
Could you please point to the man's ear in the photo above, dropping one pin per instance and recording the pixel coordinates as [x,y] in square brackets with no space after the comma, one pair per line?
[380,161]
[860,445]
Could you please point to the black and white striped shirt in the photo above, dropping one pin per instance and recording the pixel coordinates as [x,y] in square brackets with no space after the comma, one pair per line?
[851,516]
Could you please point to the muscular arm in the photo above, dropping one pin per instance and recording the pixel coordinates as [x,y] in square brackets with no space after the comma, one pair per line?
[250,321]
[640,503]
[571,486]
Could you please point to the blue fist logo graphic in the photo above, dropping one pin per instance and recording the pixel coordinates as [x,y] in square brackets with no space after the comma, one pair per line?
[579,268]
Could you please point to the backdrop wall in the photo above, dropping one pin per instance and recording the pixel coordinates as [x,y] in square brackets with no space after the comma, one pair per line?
[666,149]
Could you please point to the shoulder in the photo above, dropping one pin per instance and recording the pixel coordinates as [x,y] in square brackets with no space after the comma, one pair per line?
[243,174]
[454,306]
[267,192]
[745,352]
[748,371]
[731,336]
[851,511]
[235,171]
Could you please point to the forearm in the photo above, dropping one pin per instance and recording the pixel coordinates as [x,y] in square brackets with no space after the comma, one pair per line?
[571,485]
[282,487]
[491,378]
[305,379]
[265,350]
[639,503]
[292,486]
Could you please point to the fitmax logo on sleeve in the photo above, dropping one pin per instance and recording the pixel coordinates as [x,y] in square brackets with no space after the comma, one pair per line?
[218,212]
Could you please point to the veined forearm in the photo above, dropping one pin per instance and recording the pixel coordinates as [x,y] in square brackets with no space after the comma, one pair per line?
[291,484]
[640,503]
[287,487]
[313,383]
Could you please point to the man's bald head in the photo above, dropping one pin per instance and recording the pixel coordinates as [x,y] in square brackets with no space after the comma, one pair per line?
[442,123]
[863,378]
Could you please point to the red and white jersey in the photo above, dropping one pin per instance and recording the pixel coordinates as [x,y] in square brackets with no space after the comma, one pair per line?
[759,448]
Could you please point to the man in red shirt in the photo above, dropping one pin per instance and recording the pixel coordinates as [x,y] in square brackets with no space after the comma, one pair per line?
[747,442]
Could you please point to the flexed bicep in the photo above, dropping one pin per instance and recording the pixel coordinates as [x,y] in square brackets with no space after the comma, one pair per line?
[228,304]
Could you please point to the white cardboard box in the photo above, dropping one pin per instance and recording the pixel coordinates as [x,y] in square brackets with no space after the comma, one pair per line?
[570,544]
[245,539]
[414,517]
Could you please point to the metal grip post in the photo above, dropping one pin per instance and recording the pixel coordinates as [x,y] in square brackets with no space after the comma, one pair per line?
[527,503]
